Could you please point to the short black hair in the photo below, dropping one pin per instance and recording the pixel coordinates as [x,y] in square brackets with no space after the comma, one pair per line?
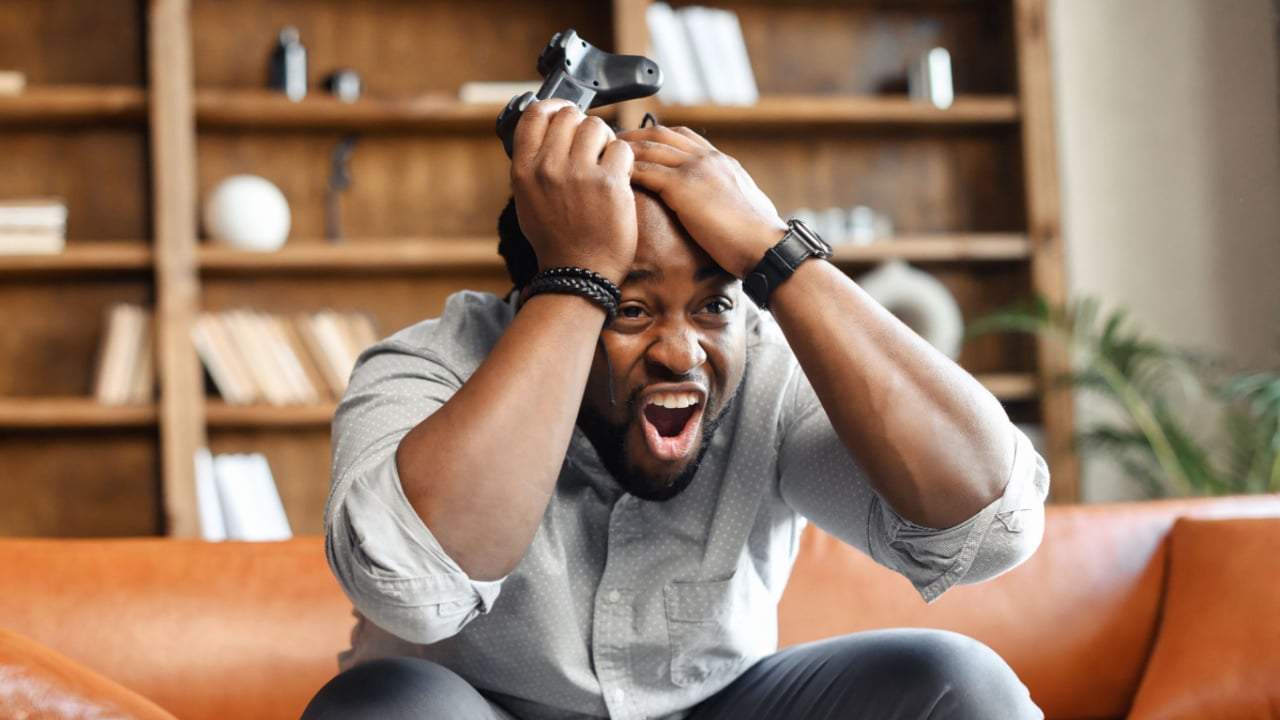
[514,247]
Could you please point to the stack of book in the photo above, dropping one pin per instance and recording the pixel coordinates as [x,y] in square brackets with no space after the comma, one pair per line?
[126,357]
[237,498]
[32,226]
[702,55]
[256,357]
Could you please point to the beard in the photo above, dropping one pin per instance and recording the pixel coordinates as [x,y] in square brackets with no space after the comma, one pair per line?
[612,443]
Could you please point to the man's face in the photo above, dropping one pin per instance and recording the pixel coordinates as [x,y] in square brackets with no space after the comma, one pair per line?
[677,350]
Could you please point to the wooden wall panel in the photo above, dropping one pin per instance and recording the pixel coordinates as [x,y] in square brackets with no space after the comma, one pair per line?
[101,172]
[52,331]
[91,483]
[942,182]
[401,49]
[401,185]
[864,48]
[74,42]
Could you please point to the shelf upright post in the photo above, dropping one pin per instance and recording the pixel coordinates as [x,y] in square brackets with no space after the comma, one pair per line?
[173,162]
[1044,220]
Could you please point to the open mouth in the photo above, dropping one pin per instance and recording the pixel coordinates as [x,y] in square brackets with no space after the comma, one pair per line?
[671,423]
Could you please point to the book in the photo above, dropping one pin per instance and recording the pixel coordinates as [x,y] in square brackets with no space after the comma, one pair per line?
[12,82]
[37,213]
[142,379]
[213,526]
[123,337]
[705,40]
[333,375]
[220,360]
[253,347]
[495,93]
[335,343]
[249,499]
[681,84]
[737,63]
[306,361]
[31,243]
[289,371]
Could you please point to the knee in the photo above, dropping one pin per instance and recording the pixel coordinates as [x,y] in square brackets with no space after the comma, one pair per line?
[392,688]
[967,678]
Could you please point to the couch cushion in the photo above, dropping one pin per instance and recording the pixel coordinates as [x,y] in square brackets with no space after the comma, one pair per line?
[206,630]
[1218,650]
[1076,621]
[37,683]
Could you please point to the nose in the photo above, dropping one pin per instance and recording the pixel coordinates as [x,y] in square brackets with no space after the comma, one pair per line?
[677,349]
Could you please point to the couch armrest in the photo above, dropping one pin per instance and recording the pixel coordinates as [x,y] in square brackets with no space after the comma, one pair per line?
[37,683]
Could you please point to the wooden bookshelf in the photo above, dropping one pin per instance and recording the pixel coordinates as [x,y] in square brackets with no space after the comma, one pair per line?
[781,111]
[134,111]
[74,104]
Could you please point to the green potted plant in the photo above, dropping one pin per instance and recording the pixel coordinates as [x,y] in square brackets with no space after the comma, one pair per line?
[1148,386]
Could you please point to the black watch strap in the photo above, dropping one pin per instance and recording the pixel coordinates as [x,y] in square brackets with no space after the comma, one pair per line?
[780,262]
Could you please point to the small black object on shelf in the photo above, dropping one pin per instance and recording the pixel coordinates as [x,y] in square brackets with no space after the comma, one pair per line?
[288,72]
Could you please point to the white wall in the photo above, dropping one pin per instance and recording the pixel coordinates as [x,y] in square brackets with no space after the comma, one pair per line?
[1170,158]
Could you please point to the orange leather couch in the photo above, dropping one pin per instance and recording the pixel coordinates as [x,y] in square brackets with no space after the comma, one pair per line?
[1143,610]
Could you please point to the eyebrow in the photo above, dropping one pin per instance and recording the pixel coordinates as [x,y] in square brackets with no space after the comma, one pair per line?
[703,274]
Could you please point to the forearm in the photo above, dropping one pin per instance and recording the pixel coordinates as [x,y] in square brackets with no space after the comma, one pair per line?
[481,469]
[934,442]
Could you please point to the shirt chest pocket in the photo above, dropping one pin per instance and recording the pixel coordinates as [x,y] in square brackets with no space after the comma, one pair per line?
[717,628]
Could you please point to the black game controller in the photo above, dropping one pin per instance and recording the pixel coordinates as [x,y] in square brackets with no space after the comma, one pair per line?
[589,77]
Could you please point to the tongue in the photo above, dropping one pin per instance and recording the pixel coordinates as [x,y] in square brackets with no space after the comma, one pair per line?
[668,421]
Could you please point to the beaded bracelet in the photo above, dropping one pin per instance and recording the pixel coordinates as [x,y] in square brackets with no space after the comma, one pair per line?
[581,282]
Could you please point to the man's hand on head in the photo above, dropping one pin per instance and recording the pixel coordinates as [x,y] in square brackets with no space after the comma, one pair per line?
[715,199]
[570,176]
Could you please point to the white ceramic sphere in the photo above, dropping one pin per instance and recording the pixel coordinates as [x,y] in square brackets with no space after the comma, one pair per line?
[247,212]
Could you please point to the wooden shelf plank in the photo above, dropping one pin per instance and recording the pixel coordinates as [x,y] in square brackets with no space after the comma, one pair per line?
[71,412]
[363,255]
[84,256]
[939,248]
[219,414]
[811,110]
[443,254]
[265,109]
[1011,386]
[72,103]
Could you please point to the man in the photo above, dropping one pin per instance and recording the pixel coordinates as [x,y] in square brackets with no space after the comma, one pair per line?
[585,501]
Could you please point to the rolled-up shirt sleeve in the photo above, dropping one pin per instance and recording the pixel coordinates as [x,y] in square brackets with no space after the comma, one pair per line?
[821,481]
[392,568]
[385,558]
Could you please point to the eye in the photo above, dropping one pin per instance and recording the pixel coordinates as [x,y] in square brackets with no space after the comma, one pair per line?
[630,312]
[717,306]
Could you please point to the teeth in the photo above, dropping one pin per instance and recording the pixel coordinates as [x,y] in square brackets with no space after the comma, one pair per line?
[674,400]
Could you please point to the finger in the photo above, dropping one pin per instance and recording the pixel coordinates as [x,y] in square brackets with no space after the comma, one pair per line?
[652,176]
[679,137]
[561,129]
[532,128]
[658,152]
[617,158]
[593,134]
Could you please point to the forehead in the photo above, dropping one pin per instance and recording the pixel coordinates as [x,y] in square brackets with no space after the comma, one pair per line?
[663,247]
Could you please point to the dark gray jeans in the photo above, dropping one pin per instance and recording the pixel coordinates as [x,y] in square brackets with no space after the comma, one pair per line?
[892,674]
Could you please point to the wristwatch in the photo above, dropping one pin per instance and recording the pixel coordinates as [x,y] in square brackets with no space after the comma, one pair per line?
[780,262]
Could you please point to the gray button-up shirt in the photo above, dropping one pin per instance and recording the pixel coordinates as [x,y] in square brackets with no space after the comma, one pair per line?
[624,608]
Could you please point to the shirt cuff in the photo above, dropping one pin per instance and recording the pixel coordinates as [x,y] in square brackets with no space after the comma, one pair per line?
[996,539]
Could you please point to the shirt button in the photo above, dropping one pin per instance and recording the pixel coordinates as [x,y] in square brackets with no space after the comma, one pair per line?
[613,597]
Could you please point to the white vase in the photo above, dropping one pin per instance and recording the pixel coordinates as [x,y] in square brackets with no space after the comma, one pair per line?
[247,212]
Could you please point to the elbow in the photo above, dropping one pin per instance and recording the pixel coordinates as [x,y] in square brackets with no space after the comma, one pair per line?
[1013,538]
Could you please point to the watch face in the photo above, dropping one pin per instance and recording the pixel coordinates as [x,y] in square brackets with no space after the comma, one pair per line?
[815,242]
